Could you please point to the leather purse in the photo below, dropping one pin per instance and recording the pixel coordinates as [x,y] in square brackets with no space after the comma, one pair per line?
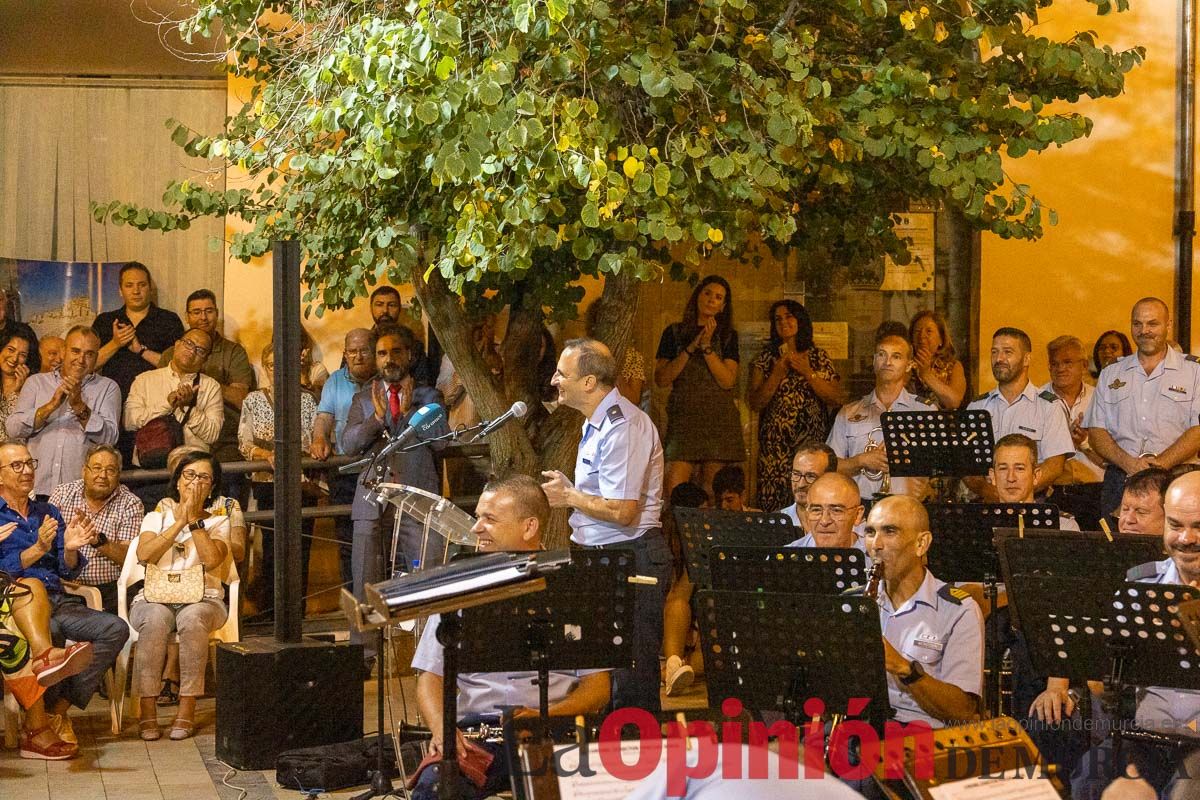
[174,586]
[155,440]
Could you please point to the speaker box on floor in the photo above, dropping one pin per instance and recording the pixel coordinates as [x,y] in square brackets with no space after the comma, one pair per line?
[273,697]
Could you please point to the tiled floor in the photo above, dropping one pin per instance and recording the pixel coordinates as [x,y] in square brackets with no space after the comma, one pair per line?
[126,768]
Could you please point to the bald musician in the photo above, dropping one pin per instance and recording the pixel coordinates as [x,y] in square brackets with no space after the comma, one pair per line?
[932,631]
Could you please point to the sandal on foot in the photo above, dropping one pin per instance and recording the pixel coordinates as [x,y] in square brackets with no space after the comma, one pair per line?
[168,696]
[182,729]
[149,731]
[56,751]
[70,661]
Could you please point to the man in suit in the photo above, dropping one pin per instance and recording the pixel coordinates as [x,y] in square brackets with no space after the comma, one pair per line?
[382,408]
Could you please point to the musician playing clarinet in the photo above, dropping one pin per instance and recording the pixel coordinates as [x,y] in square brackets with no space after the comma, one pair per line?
[511,516]
[932,631]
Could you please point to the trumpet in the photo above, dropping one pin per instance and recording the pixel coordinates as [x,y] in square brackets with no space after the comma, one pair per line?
[877,474]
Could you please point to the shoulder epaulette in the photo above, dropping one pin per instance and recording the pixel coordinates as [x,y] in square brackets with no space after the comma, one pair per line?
[981,397]
[1192,358]
[1049,396]
[1142,571]
[953,594]
[615,413]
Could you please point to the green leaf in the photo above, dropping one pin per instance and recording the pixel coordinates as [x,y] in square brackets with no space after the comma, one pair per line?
[662,179]
[971,28]
[428,112]
[655,82]
[720,167]
[490,93]
[590,215]
[557,9]
[444,68]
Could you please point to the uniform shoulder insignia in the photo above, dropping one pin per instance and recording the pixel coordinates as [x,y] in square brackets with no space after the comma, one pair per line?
[1142,571]
[1049,396]
[615,413]
[1192,358]
[981,397]
[953,594]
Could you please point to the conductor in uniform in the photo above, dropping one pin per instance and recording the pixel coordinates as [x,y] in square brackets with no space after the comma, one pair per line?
[616,499]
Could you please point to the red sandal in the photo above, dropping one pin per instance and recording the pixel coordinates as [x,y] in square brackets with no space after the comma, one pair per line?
[57,751]
[73,660]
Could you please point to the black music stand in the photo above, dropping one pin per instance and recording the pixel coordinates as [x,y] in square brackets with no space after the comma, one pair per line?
[925,444]
[702,529]
[808,570]
[582,620]
[963,551]
[772,651]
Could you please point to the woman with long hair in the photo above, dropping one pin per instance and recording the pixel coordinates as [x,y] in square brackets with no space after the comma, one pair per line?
[938,378]
[793,383]
[698,359]
[1110,347]
[14,353]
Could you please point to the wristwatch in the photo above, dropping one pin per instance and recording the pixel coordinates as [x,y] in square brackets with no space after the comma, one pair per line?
[916,672]
[707,350]
[198,525]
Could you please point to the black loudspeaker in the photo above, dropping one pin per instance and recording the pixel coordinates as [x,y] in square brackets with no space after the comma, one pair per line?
[273,697]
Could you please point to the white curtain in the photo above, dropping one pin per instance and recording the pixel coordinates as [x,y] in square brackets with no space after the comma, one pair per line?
[65,142]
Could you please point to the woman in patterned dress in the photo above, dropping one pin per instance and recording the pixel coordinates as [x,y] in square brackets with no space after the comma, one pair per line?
[14,352]
[792,385]
[938,378]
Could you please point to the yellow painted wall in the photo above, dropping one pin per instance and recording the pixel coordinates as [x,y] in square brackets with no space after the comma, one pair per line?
[1114,195]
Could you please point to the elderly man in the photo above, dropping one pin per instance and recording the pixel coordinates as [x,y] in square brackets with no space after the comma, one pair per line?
[1141,508]
[617,499]
[52,349]
[932,631]
[62,413]
[227,364]
[182,389]
[358,355]
[1160,710]
[1016,407]
[811,461]
[512,513]
[1146,410]
[115,512]
[40,545]
[859,446]
[832,513]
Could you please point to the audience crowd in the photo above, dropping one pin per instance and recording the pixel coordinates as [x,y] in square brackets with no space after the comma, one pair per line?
[140,387]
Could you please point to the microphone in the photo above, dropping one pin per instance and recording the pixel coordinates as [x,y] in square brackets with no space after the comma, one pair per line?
[515,411]
[424,420]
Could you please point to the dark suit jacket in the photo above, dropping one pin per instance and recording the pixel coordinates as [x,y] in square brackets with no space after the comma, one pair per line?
[364,433]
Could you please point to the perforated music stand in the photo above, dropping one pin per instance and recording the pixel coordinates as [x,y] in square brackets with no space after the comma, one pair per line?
[702,529]
[773,651]
[925,444]
[809,570]
[583,620]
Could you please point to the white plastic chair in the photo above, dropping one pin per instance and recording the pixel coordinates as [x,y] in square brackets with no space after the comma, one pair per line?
[133,571]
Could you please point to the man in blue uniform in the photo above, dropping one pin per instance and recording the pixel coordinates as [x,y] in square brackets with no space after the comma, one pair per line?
[1016,406]
[1146,408]
[617,498]
[932,631]
[511,516]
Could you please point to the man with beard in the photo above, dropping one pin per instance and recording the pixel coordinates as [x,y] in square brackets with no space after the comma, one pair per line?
[859,446]
[386,305]
[384,407]
[1016,407]
[811,461]
[1146,406]
[62,413]
[1160,710]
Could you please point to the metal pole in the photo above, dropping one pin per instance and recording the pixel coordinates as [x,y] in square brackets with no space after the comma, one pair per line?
[1185,209]
[288,597]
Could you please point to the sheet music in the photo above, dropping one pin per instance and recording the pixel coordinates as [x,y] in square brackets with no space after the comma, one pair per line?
[995,788]
[458,587]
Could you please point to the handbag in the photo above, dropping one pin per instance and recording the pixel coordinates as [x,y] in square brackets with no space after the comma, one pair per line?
[155,440]
[174,586]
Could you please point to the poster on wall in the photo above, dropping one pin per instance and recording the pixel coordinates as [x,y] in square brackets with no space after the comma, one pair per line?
[917,275]
[52,296]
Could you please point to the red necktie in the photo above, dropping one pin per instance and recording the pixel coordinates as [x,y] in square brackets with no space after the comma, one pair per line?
[394,404]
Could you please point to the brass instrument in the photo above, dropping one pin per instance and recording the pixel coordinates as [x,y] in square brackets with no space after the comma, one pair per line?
[877,474]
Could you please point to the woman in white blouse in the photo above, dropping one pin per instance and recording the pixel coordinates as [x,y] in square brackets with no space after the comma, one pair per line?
[186,529]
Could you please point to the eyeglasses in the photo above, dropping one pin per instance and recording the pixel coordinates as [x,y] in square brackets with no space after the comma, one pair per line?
[836,513]
[807,477]
[22,466]
[195,348]
[362,352]
[191,475]
[109,471]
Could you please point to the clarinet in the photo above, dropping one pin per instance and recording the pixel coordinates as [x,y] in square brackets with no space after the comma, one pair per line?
[874,578]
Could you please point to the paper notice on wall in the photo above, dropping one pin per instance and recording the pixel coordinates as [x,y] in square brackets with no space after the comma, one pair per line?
[917,275]
[995,788]
[834,338]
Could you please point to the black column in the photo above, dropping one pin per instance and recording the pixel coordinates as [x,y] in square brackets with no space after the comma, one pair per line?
[289,609]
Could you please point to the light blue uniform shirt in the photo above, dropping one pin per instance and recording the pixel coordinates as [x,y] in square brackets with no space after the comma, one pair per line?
[336,396]
[1160,709]
[852,428]
[620,458]
[1146,413]
[945,635]
[491,693]
[793,513]
[1032,415]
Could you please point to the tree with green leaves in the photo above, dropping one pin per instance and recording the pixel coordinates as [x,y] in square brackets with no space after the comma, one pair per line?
[492,152]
